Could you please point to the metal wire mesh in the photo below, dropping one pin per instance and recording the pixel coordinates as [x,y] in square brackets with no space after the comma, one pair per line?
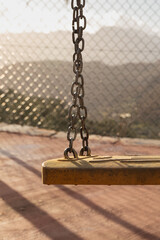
[121,65]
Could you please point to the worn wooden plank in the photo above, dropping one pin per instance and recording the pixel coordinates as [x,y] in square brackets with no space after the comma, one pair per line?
[103,170]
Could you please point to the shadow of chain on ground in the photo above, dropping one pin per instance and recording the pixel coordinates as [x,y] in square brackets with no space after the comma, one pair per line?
[107,214]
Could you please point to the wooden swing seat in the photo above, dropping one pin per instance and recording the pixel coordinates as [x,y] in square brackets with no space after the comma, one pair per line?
[103,170]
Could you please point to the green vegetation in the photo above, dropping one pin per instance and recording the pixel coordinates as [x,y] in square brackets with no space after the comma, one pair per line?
[110,127]
[34,111]
[50,113]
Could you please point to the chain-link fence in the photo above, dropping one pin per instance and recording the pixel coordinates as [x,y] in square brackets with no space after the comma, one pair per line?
[121,65]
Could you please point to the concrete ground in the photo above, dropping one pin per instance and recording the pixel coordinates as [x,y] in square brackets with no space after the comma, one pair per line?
[30,210]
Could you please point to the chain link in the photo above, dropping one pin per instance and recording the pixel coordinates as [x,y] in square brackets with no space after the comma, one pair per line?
[77,109]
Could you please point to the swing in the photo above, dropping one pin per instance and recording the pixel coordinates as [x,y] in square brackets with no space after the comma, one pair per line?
[87,168]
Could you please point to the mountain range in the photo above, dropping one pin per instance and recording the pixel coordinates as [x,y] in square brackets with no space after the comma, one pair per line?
[110,45]
[109,90]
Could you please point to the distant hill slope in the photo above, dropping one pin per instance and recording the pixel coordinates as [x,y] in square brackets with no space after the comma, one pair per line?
[149,102]
[109,90]
[110,45]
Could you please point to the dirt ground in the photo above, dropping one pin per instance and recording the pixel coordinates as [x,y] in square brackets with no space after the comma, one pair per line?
[31,211]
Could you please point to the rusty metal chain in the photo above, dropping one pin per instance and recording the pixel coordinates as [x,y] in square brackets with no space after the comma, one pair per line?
[78,109]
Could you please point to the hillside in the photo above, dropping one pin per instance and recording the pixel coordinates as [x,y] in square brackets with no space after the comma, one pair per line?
[149,102]
[109,90]
[110,45]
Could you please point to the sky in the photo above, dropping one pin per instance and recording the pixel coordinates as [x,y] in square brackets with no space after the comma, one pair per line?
[52,15]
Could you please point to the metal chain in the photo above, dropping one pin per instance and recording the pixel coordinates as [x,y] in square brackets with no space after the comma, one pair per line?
[77,109]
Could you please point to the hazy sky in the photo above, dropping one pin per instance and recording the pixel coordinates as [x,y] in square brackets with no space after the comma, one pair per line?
[52,15]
